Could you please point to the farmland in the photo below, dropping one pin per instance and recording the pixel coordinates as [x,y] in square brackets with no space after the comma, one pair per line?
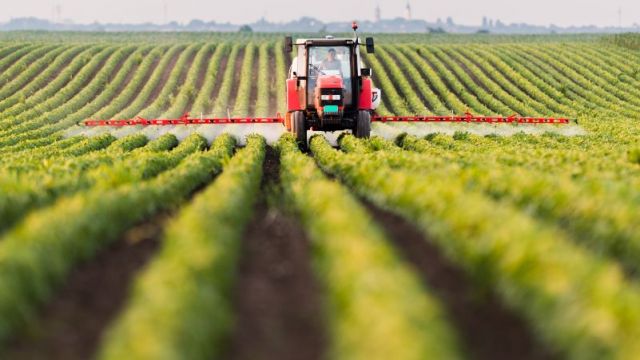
[426,241]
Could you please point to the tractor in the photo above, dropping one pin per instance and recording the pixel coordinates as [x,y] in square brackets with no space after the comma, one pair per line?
[328,88]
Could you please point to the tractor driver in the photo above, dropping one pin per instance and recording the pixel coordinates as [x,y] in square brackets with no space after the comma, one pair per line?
[331,62]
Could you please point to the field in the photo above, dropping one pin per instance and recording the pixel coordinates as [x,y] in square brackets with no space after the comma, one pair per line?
[423,242]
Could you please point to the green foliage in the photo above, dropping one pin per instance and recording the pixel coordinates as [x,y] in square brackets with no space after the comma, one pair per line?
[628,40]
[243,97]
[634,155]
[546,217]
[181,304]
[565,292]
[37,255]
[377,308]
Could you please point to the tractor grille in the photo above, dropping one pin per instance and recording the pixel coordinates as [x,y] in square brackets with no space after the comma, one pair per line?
[331,97]
[331,120]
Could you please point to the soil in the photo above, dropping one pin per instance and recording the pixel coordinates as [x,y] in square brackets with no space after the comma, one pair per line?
[277,299]
[486,327]
[73,323]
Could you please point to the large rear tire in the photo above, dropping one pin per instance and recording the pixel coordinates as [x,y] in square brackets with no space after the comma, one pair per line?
[363,125]
[299,129]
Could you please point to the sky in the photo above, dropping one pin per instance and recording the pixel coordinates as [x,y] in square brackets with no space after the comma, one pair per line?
[467,12]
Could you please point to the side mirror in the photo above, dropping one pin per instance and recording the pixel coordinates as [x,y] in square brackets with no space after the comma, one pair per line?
[365,72]
[370,45]
[288,44]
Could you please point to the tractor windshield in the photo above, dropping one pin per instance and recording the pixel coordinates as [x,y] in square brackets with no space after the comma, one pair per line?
[330,60]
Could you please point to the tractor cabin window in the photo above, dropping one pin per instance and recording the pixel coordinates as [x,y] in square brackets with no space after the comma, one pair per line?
[330,60]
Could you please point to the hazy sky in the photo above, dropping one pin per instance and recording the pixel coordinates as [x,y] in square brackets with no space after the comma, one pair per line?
[541,12]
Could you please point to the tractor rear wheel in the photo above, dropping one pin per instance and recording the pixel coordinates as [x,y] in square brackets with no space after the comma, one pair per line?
[299,129]
[363,125]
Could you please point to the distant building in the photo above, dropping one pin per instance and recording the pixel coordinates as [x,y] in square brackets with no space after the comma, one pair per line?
[450,22]
[377,15]
[407,14]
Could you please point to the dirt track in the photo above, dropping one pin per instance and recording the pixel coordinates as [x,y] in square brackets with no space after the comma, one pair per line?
[486,328]
[277,298]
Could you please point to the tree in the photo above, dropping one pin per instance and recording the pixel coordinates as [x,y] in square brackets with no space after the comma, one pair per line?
[436,30]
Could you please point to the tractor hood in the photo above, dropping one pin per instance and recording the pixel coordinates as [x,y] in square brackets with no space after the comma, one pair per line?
[330,82]
[329,97]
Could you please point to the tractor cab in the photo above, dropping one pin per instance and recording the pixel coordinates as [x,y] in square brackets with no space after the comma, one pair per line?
[328,89]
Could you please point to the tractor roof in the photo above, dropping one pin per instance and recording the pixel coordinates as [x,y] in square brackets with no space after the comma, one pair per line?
[325,42]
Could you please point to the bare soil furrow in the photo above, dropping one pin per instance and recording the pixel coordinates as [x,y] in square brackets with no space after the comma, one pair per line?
[73,323]
[278,309]
[487,328]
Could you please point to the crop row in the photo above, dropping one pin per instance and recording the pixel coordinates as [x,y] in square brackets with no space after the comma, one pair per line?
[97,169]
[186,289]
[415,79]
[565,292]
[362,314]
[457,78]
[38,254]
[554,198]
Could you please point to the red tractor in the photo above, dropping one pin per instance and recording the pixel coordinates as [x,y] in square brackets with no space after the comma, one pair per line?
[328,89]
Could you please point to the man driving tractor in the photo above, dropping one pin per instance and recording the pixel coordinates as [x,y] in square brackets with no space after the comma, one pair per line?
[331,62]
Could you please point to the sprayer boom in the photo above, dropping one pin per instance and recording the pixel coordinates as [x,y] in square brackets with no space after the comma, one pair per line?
[468,118]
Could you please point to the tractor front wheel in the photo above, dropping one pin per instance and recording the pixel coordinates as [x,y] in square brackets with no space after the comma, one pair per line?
[299,129]
[363,125]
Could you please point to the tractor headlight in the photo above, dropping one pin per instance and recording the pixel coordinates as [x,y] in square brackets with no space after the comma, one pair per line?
[330,97]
